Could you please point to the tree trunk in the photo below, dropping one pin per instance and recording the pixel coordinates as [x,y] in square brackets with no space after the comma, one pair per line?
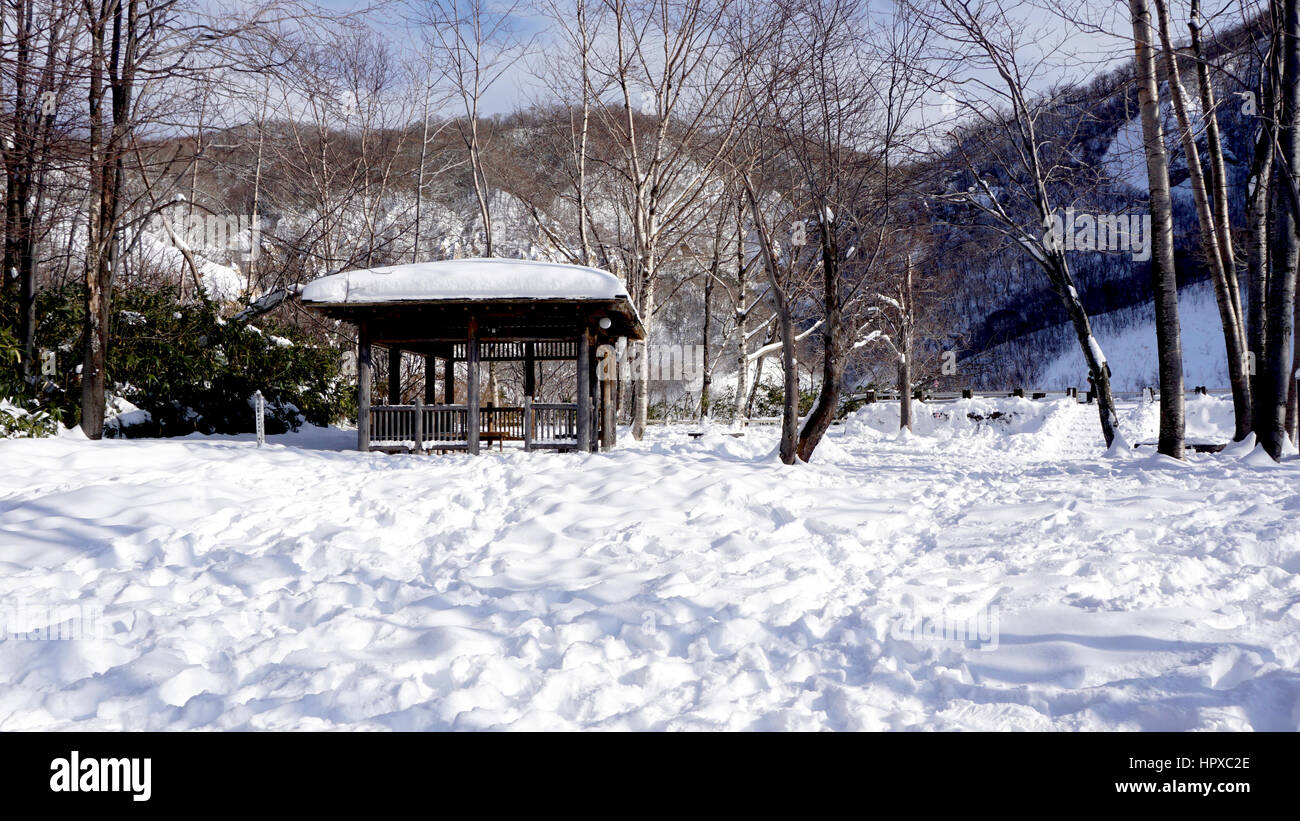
[1221,272]
[1276,378]
[907,322]
[790,406]
[1258,221]
[95,331]
[828,398]
[1164,280]
[742,314]
[641,379]
[904,392]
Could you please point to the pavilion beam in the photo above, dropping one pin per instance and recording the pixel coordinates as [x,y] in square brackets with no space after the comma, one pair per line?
[584,391]
[394,375]
[365,373]
[471,388]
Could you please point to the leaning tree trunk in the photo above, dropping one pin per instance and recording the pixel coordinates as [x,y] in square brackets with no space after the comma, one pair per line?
[828,398]
[1164,279]
[1093,356]
[785,320]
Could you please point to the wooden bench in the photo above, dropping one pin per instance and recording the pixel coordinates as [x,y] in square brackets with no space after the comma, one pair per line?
[1197,447]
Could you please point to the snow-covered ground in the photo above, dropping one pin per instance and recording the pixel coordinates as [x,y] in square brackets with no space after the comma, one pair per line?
[670,584]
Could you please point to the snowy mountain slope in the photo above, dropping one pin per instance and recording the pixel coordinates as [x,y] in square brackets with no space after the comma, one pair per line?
[671,584]
[1128,338]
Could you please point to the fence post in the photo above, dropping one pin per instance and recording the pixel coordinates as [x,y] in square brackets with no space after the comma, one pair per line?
[259,407]
[419,425]
[528,422]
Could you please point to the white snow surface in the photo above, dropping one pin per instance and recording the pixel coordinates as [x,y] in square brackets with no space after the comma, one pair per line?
[671,584]
[466,279]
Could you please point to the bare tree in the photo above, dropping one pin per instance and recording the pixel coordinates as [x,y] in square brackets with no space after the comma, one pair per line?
[475,43]
[1003,135]
[677,115]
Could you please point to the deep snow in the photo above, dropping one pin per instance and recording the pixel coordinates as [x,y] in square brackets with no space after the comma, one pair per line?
[670,584]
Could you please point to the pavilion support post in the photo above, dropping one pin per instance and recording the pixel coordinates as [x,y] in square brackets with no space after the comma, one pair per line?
[449,381]
[394,375]
[608,408]
[530,369]
[593,386]
[584,391]
[430,380]
[471,388]
[365,372]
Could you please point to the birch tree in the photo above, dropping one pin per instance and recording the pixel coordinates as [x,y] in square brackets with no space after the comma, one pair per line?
[673,122]
[1164,280]
[1223,273]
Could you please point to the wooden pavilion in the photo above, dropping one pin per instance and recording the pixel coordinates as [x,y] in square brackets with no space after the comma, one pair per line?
[475,311]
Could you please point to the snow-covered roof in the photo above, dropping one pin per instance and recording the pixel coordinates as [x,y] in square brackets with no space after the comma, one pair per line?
[465,279]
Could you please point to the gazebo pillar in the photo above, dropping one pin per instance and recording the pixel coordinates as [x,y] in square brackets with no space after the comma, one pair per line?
[430,380]
[608,410]
[530,369]
[394,375]
[584,391]
[365,372]
[449,381]
[471,388]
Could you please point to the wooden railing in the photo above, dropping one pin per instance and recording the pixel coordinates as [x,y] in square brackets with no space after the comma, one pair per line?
[392,424]
[445,427]
[555,426]
[506,423]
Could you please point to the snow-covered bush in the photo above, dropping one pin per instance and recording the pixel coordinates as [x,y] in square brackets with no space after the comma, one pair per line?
[176,368]
[18,423]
